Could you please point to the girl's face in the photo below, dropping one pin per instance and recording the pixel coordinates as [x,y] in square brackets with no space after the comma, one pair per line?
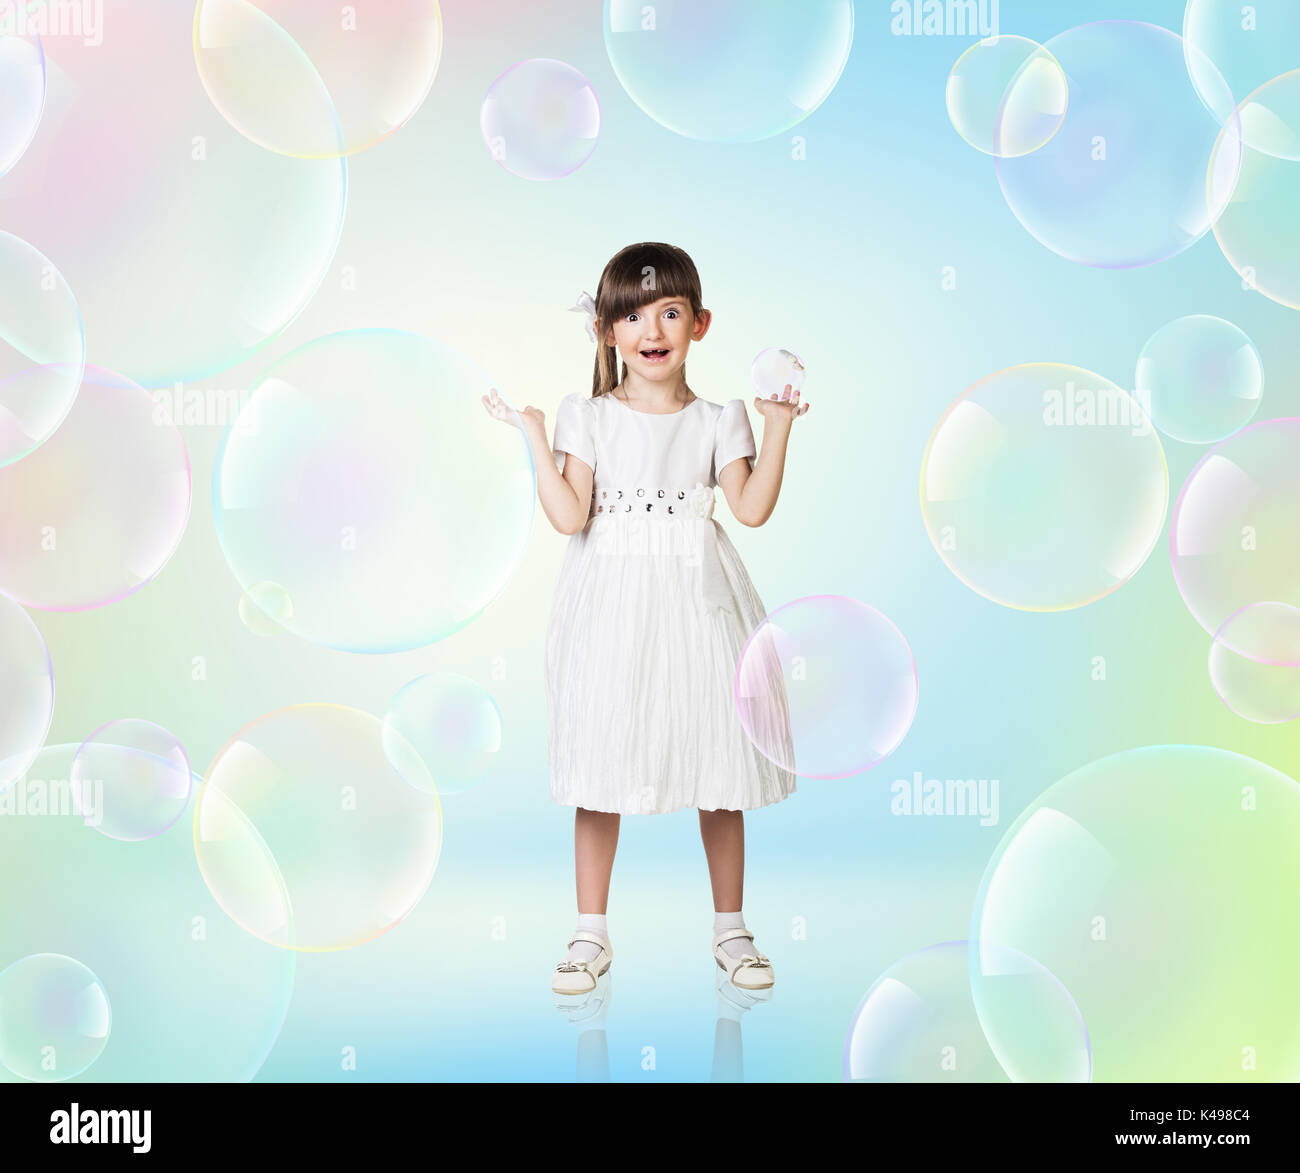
[653,339]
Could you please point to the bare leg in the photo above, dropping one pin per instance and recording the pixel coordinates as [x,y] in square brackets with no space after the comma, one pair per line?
[595,839]
[723,833]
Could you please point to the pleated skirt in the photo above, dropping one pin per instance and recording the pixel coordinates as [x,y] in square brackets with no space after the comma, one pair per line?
[640,674]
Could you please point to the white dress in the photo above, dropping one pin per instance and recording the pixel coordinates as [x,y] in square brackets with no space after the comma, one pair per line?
[652,609]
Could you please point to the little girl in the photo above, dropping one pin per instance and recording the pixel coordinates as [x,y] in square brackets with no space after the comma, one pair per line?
[653,605]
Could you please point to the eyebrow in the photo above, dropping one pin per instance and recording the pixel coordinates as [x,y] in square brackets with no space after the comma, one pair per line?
[673,302]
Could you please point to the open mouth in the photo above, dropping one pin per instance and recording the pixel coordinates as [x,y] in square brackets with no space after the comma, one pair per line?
[654,355]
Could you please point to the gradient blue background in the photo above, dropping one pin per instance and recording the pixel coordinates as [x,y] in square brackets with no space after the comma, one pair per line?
[839,257]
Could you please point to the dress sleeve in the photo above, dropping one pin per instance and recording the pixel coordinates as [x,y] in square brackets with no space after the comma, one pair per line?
[734,438]
[573,431]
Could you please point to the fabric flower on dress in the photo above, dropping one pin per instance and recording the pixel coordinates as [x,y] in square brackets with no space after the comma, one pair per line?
[699,502]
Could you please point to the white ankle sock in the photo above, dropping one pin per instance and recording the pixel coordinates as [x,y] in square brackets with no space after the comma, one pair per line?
[585,950]
[737,946]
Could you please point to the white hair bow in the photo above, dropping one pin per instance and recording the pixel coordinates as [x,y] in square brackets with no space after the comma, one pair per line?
[587,306]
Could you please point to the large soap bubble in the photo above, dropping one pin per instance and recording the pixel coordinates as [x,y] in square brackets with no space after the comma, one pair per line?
[1158,885]
[96,512]
[42,348]
[26,690]
[188,246]
[22,90]
[728,70]
[1232,49]
[313,81]
[1123,180]
[1233,536]
[1007,96]
[195,998]
[364,480]
[1200,378]
[304,800]
[1044,487]
[540,119]
[1256,229]
[917,1024]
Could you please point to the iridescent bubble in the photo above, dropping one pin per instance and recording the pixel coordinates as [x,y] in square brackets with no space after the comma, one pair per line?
[826,686]
[1265,691]
[96,511]
[452,724]
[1007,96]
[22,91]
[309,796]
[1247,46]
[1123,181]
[1233,538]
[189,247]
[773,369]
[312,82]
[917,1024]
[265,608]
[1200,379]
[1044,487]
[728,70]
[42,348]
[26,691]
[54,1017]
[1158,885]
[374,490]
[195,998]
[131,780]
[1256,230]
[540,119]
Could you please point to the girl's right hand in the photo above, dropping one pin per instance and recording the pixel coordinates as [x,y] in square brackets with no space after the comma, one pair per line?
[497,409]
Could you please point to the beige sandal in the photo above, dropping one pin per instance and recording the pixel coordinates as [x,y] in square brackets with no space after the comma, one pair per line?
[749,971]
[580,977]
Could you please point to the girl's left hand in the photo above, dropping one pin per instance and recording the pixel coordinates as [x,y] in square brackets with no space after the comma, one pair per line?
[787,406]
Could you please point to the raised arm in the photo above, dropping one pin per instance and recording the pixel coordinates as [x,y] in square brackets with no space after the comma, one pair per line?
[566,500]
[752,494]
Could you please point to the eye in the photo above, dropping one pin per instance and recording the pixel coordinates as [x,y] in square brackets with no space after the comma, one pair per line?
[673,312]
[629,317]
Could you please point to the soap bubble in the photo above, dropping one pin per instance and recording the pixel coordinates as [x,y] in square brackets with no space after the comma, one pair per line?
[1123,181]
[195,998]
[307,81]
[1233,539]
[540,119]
[1256,230]
[1200,378]
[42,348]
[1007,96]
[96,511]
[1044,487]
[131,780]
[189,247]
[453,725]
[22,91]
[265,608]
[26,691]
[826,686]
[304,800]
[1264,690]
[918,1023]
[1156,885]
[773,369]
[728,70]
[374,491]
[1232,50]
[54,1017]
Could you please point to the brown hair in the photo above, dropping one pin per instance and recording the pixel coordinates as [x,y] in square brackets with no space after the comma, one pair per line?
[636,276]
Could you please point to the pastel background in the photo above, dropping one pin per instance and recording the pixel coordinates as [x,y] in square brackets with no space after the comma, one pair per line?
[839,256]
